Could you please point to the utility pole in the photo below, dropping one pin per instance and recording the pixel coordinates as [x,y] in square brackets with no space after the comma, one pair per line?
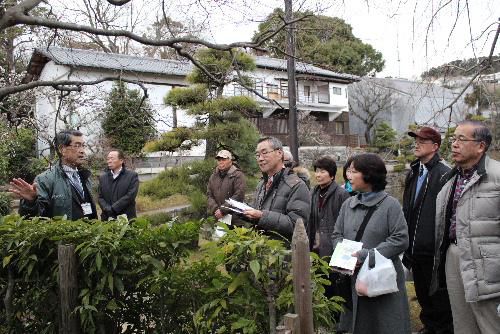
[293,139]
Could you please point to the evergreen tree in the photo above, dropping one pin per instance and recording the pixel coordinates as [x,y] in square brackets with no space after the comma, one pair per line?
[385,137]
[220,120]
[325,41]
[128,122]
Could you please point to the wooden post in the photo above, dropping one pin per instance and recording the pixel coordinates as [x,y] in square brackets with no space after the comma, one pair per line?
[68,289]
[301,268]
[292,323]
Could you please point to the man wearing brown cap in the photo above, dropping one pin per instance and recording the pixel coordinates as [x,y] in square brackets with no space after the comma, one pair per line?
[422,184]
[226,182]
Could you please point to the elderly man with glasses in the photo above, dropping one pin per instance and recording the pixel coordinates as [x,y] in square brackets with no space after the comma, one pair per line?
[468,232]
[65,189]
[281,196]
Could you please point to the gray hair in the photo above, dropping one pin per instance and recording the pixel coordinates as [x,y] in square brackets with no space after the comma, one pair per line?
[481,132]
[63,138]
[276,144]
[288,159]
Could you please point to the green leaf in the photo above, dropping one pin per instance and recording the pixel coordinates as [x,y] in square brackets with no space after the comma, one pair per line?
[98,261]
[112,305]
[119,284]
[110,282]
[6,260]
[236,283]
[255,267]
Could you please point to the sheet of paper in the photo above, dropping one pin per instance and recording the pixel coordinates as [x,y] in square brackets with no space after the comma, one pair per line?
[226,219]
[218,233]
[238,205]
[342,260]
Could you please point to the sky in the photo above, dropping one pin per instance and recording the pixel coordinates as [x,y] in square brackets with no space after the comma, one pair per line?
[400,29]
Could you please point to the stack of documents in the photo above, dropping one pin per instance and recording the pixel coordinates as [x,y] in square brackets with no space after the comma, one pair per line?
[342,260]
[235,206]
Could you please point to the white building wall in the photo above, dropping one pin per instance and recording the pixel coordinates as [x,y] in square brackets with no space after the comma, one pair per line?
[92,98]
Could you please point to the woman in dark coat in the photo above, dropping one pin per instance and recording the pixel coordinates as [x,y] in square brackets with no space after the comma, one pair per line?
[326,199]
[388,233]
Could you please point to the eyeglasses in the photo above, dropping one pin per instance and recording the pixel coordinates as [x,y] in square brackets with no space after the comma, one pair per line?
[78,145]
[461,139]
[263,154]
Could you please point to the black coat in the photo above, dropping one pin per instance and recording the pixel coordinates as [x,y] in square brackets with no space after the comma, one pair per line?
[323,221]
[420,214]
[117,196]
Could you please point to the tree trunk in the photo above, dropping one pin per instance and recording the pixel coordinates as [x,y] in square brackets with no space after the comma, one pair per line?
[271,305]
[368,136]
[174,117]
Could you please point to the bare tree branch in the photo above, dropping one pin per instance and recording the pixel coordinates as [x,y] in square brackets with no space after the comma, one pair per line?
[63,85]
[19,14]
[486,63]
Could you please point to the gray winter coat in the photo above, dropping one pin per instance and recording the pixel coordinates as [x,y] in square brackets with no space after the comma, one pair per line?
[388,233]
[286,201]
[478,231]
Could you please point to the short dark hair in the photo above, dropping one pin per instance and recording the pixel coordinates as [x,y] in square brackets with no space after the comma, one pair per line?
[346,166]
[373,169]
[63,138]
[481,132]
[326,163]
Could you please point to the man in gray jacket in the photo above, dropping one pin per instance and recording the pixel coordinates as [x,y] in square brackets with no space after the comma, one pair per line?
[467,232]
[65,189]
[281,197]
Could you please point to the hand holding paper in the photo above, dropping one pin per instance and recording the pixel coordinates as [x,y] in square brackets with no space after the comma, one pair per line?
[342,258]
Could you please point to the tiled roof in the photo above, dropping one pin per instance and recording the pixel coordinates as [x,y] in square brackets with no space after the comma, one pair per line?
[300,67]
[112,61]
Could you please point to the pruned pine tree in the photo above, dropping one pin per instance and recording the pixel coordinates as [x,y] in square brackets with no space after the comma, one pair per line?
[220,120]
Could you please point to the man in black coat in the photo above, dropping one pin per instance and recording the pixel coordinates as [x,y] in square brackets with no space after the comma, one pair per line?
[422,184]
[117,188]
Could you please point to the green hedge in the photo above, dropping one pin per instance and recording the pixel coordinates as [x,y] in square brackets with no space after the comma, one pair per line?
[141,278]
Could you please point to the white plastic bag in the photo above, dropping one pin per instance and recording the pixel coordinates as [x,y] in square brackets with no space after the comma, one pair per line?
[377,276]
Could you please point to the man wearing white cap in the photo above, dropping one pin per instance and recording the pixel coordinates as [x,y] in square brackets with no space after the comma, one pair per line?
[226,182]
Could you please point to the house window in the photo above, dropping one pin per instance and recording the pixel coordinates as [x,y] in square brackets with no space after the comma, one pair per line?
[284,89]
[337,91]
[271,88]
[307,93]
[339,128]
[259,86]
[323,96]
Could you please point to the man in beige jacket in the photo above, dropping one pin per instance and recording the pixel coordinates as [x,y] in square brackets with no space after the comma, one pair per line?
[468,233]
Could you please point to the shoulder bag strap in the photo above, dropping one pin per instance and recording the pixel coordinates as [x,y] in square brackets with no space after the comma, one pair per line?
[368,215]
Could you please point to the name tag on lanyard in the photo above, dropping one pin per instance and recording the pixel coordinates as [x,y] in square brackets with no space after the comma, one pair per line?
[87,209]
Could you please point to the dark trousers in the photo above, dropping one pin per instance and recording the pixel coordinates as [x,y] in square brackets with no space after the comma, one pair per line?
[436,311]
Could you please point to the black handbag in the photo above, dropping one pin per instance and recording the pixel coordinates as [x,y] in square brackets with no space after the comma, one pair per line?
[342,282]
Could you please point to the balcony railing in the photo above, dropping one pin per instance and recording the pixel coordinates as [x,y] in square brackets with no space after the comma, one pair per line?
[282,94]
